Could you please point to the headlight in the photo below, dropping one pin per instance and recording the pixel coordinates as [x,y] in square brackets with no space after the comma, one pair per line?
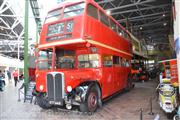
[69,88]
[41,87]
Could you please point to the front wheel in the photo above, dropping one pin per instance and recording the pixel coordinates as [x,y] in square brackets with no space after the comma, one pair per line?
[43,102]
[176,117]
[169,115]
[91,101]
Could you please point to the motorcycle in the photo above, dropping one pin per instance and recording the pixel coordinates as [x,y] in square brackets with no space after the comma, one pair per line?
[2,83]
[167,98]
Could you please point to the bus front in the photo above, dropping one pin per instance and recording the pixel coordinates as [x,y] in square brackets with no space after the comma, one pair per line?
[66,68]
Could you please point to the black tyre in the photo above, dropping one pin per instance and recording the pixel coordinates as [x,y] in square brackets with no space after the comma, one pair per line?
[169,115]
[176,117]
[43,102]
[91,101]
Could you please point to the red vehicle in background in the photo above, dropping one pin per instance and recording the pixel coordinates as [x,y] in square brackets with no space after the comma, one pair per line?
[139,68]
[84,57]
[169,70]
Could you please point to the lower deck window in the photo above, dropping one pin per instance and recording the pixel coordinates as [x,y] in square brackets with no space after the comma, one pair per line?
[107,61]
[45,59]
[65,59]
[88,61]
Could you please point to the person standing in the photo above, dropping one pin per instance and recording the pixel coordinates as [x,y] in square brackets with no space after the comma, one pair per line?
[9,75]
[15,75]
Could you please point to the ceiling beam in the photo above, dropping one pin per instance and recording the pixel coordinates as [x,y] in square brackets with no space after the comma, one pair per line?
[130,5]
[141,9]
[3,8]
[148,18]
[11,36]
[104,1]
[147,15]
[9,51]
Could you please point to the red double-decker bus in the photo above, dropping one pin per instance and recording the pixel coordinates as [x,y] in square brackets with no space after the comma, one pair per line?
[84,57]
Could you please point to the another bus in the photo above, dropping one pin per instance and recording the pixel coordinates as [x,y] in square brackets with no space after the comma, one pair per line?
[168,68]
[84,57]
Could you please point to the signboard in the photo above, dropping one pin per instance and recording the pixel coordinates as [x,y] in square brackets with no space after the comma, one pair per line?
[30,89]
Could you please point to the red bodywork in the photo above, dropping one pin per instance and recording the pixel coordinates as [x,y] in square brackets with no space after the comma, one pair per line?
[32,73]
[89,32]
[171,66]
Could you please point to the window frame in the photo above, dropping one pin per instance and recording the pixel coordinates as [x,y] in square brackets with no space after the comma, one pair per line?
[88,60]
[103,61]
[60,54]
[94,9]
[102,19]
[119,61]
[52,16]
[83,10]
[112,22]
[49,60]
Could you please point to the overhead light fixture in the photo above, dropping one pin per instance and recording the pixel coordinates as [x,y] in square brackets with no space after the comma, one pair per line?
[108,12]
[165,24]
[140,28]
[164,15]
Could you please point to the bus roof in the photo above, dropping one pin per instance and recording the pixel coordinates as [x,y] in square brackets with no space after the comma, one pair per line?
[71,2]
[66,3]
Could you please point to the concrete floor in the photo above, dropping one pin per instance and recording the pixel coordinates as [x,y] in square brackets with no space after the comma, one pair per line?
[125,106]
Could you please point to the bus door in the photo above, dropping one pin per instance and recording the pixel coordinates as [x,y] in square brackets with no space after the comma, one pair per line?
[108,81]
[125,71]
[118,79]
[117,73]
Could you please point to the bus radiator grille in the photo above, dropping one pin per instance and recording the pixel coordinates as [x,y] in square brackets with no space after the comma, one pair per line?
[55,88]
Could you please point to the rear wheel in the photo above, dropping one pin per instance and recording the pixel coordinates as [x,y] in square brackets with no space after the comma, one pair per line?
[43,102]
[91,101]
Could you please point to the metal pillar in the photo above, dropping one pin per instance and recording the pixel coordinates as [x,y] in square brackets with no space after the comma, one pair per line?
[26,62]
[36,34]
[176,11]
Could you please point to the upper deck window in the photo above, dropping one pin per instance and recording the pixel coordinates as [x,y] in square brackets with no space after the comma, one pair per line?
[53,16]
[74,10]
[92,11]
[113,26]
[104,19]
